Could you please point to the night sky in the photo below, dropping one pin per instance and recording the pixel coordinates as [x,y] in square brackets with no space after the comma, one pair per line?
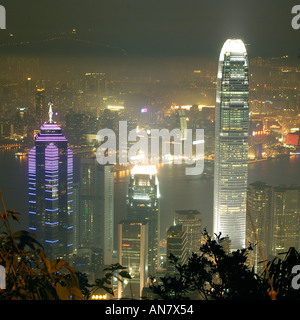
[156,27]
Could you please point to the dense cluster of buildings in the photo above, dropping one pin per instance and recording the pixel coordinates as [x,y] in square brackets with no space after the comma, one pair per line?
[272,221]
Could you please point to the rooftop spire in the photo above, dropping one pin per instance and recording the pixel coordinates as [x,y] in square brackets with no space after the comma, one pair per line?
[50,104]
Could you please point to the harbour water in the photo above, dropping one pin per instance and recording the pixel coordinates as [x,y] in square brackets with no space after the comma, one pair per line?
[178,191]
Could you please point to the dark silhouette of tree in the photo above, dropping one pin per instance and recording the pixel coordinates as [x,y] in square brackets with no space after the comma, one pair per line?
[83,284]
[280,271]
[114,271]
[30,275]
[171,287]
[213,274]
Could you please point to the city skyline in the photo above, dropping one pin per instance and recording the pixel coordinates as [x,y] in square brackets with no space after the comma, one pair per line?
[169,82]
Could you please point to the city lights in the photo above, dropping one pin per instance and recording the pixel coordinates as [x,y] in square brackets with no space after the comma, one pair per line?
[149,153]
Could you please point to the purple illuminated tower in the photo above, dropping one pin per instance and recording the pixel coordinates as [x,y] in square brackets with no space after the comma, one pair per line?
[50,174]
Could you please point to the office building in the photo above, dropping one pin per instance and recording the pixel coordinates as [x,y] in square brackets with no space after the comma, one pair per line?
[75,213]
[259,215]
[95,228]
[231,144]
[176,245]
[76,126]
[285,230]
[191,222]
[143,206]
[50,175]
[133,254]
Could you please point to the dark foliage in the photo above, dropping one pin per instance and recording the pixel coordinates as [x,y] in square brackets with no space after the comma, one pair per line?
[214,274]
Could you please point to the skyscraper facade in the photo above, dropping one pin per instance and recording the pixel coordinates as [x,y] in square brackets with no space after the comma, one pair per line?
[258,226]
[143,206]
[95,223]
[176,245]
[285,219]
[231,143]
[274,212]
[191,222]
[133,253]
[50,174]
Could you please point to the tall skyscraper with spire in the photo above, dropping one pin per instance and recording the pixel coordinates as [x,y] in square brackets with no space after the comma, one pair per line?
[50,174]
[231,143]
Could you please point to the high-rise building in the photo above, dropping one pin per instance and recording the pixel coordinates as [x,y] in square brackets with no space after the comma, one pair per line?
[258,226]
[285,219]
[274,212]
[143,206]
[181,122]
[95,83]
[176,245]
[95,228]
[40,106]
[77,124]
[191,222]
[133,253]
[50,174]
[231,143]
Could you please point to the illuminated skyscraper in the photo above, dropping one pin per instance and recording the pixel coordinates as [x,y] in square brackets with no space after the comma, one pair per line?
[50,174]
[191,222]
[285,232]
[176,245]
[231,143]
[143,206]
[133,253]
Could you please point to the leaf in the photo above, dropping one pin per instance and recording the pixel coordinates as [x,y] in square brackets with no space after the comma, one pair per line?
[63,292]
[76,293]
[109,290]
[114,267]
[56,265]
[125,274]
[16,218]
[48,265]
[26,239]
